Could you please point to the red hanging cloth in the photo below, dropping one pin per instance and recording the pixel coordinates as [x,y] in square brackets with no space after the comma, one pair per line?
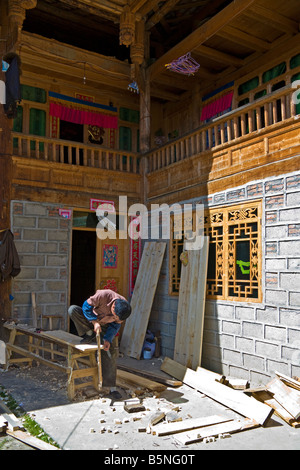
[217,106]
[79,116]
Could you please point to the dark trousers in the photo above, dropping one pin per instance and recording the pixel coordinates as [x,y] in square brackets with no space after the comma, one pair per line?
[108,359]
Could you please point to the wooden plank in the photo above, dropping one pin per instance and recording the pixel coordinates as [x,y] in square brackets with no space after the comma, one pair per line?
[141,381]
[34,311]
[212,375]
[188,424]
[151,375]
[233,399]
[2,352]
[142,298]
[69,339]
[267,398]
[289,381]
[12,421]
[288,398]
[191,306]
[237,384]
[215,430]
[3,423]
[31,440]
[173,368]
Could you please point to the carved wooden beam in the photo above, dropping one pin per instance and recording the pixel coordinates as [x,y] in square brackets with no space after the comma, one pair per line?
[201,34]
[17,10]
[127,27]
[16,16]
[137,48]
[161,13]
[105,8]
[136,5]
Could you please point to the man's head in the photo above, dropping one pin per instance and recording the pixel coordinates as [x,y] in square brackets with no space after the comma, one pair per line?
[121,308]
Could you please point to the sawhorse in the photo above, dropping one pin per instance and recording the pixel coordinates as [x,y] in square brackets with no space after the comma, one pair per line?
[69,348]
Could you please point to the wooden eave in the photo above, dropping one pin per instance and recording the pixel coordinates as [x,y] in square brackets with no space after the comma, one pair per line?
[71,63]
[241,34]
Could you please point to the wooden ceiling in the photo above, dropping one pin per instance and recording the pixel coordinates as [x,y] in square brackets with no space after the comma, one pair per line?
[226,37]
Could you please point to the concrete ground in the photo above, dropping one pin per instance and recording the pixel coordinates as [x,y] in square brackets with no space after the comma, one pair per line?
[79,425]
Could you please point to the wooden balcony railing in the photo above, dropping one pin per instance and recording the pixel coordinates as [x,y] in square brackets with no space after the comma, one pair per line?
[73,153]
[227,129]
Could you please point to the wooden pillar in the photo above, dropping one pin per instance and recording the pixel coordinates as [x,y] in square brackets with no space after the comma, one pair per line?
[12,15]
[17,12]
[139,54]
[145,112]
[5,165]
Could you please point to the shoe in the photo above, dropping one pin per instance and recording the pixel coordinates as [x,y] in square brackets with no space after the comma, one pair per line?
[87,339]
[115,395]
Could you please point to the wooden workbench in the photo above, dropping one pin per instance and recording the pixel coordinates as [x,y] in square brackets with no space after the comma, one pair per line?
[48,347]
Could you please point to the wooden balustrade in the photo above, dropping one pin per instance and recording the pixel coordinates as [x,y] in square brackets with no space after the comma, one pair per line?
[73,153]
[225,130]
[236,124]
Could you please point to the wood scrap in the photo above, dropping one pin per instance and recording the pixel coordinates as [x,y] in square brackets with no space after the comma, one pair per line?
[291,382]
[261,388]
[141,381]
[266,397]
[173,368]
[156,418]
[2,352]
[31,440]
[233,382]
[165,429]
[237,384]
[135,408]
[34,310]
[241,403]
[152,376]
[172,417]
[215,430]
[3,424]
[13,422]
[287,397]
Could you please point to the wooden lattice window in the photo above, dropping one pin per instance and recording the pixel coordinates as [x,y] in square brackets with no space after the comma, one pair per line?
[235,257]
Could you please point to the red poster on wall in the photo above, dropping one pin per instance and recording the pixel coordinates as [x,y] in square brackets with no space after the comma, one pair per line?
[134,253]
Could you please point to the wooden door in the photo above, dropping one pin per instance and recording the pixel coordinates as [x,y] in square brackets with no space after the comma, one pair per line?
[112,257]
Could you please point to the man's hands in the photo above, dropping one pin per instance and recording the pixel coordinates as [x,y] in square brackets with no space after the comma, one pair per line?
[97,330]
[97,327]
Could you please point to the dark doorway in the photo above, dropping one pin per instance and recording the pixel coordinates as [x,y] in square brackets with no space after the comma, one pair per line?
[73,132]
[83,267]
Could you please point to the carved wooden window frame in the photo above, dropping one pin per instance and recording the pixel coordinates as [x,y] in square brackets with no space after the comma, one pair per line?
[235,253]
